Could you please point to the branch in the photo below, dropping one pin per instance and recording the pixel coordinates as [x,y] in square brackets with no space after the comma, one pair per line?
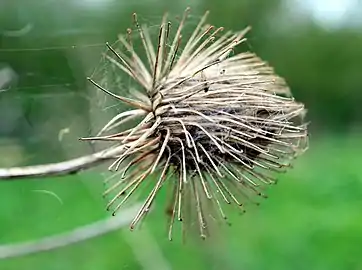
[65,239]
[61,168]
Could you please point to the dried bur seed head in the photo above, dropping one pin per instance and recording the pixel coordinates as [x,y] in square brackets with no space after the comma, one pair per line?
[216,126]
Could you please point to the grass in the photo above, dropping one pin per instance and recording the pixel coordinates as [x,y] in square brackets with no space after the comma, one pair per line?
[312,220]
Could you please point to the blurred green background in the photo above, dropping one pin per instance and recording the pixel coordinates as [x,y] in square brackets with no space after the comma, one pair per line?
[313,217]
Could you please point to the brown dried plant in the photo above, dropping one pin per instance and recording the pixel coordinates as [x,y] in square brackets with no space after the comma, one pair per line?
[216,125]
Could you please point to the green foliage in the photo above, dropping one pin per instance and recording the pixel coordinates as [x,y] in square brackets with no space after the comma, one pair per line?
[310,221]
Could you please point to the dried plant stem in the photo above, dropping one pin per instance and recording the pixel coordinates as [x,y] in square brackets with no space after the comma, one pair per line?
[61,168]
[65,239]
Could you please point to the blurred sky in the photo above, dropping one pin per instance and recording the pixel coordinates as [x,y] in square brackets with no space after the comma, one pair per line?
[329,13]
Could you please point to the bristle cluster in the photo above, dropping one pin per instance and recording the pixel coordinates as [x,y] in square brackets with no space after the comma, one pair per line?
[215,125]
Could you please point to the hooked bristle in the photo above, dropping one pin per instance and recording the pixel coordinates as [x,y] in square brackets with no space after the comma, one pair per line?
[218,127]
